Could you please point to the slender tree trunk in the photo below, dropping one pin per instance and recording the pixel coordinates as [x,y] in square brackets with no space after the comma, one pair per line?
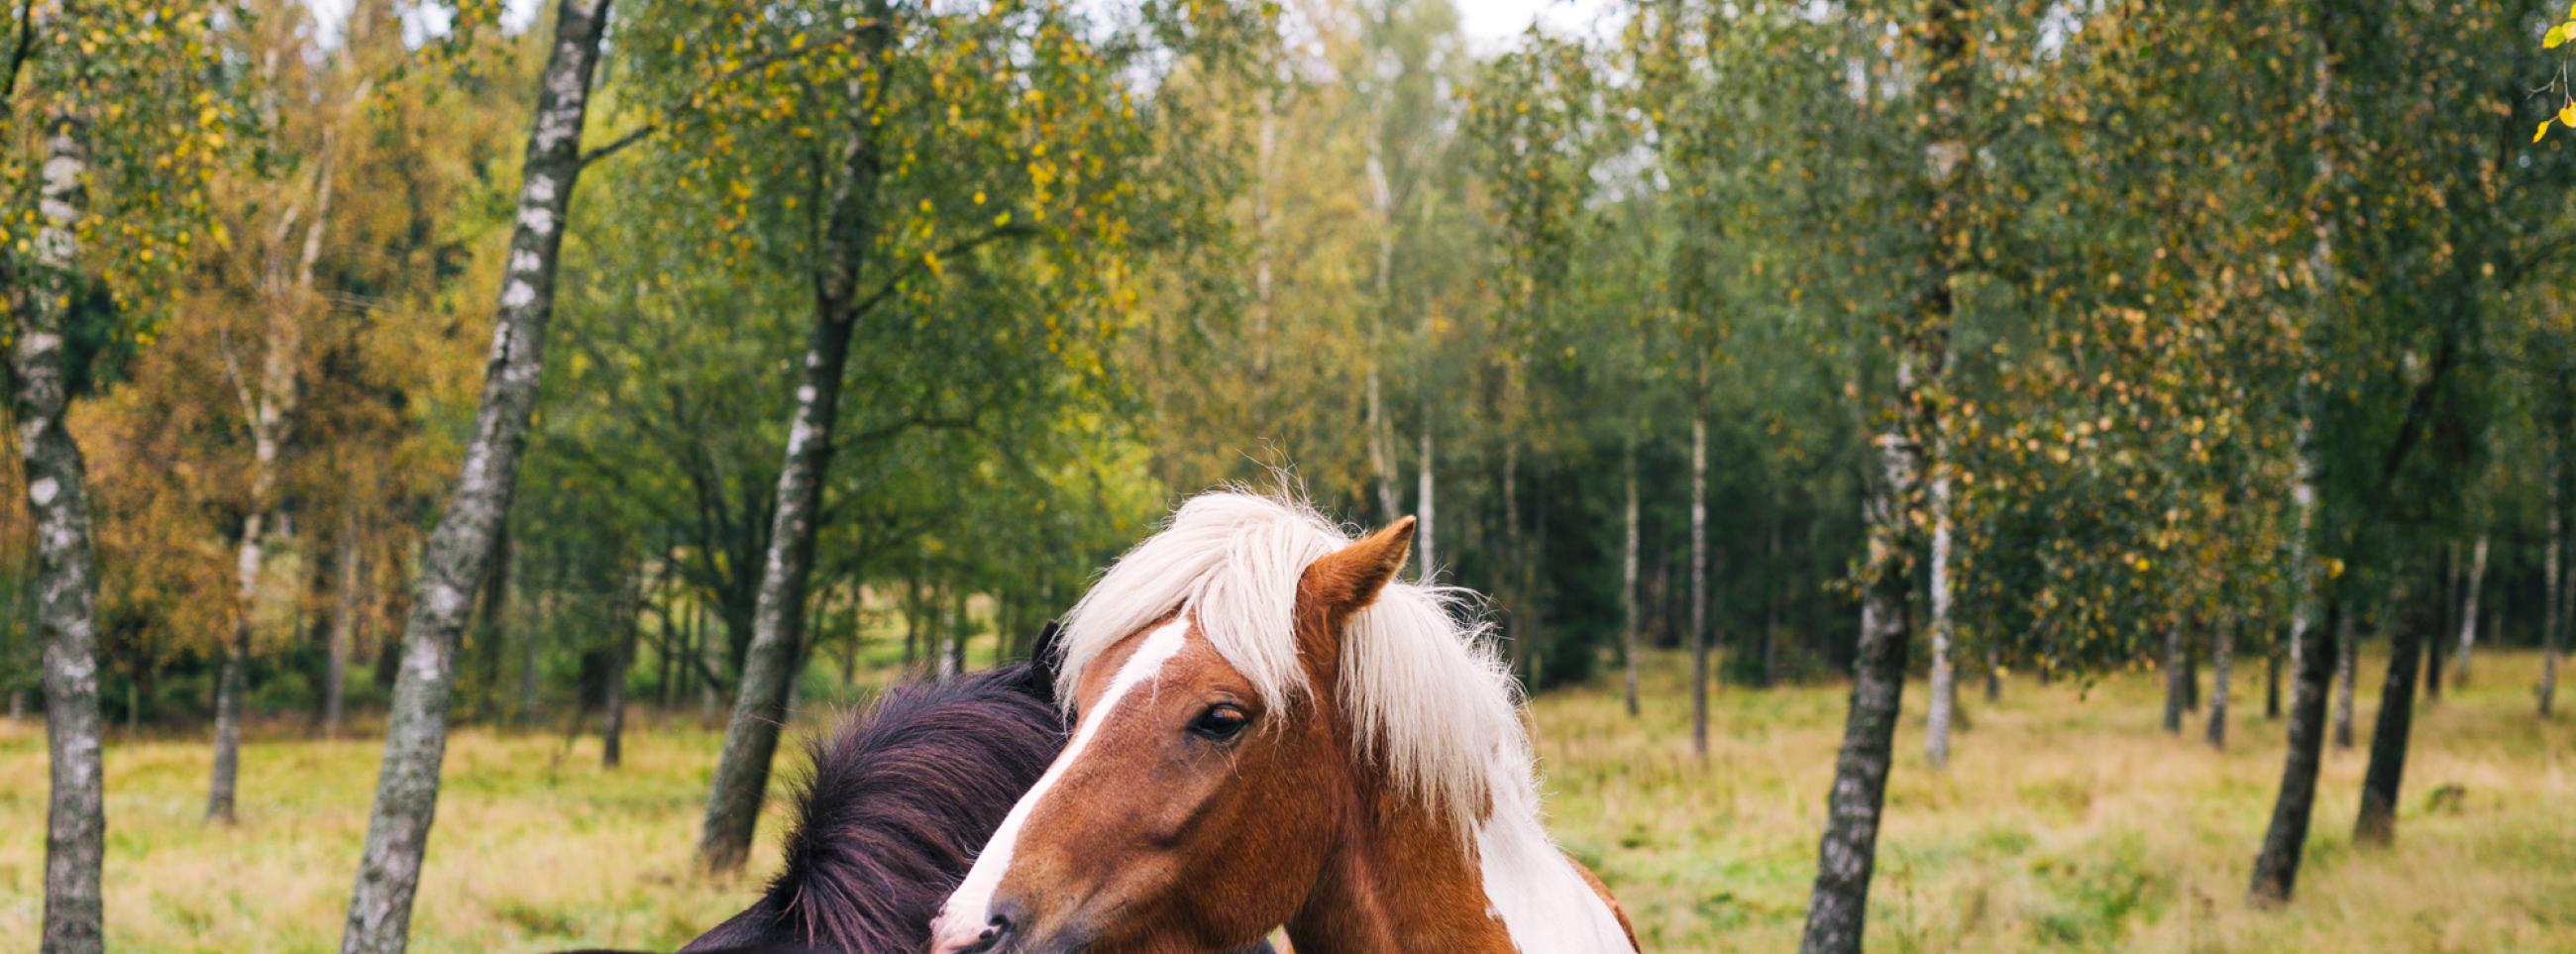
[710,659]
[612,701]
[2272,683]
[2469,612]
[39,287]
[1771,603]
[2344,651]
[2377,824]
[760,698]
[1423,549]
[461,545]
[2276,869]
[1699,581]
[1994,675]
[1381,431]
[2553,597]
[1944,679]
[1628,587]
[2221,658]
[2173,678]
[1837,908]
[347,589]
[2190,678]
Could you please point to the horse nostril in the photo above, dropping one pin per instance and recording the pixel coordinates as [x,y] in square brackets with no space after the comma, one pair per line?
[995,937]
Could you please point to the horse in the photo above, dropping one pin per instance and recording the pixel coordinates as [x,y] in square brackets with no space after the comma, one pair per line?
[896,803]
[1270,728]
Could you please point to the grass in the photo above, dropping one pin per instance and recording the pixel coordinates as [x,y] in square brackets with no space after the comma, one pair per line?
[2063,823]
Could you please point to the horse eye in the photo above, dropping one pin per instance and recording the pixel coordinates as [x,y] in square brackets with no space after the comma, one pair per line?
[1220,723]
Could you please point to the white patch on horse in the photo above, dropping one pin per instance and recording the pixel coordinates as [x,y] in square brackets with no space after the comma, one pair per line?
[1530,886]
[962,918]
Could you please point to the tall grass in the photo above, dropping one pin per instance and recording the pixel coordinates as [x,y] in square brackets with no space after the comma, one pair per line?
[2063,823]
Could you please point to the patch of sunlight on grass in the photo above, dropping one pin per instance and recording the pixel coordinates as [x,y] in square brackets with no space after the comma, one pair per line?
[2061,824]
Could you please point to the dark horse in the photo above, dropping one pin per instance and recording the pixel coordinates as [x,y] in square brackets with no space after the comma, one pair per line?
[897,803]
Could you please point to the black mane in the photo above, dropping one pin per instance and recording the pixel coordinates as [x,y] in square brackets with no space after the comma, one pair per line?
[897,803]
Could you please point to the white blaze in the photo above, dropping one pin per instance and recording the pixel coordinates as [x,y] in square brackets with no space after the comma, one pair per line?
[961,920]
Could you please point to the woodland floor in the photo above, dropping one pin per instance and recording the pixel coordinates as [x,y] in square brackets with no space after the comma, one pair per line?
[2064,822]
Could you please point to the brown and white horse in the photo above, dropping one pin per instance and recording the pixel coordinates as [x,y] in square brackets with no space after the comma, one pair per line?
[1270,729]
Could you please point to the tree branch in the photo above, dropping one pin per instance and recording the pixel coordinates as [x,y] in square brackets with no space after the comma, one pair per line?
[698,99]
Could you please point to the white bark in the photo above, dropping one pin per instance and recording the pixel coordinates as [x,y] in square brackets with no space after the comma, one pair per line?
[1945,678]
[2469,612]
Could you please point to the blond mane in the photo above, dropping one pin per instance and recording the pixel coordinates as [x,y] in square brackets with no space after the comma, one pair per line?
[1431,706]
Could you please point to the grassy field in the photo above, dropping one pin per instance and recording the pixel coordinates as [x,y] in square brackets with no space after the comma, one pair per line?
[2062,823]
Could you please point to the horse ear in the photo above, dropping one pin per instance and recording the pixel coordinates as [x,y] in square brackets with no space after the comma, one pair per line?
[1044,656]
[1347,580]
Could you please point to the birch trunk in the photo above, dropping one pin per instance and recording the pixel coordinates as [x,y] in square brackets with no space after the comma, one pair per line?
[2221,660]
[1628,587]
[2553,600]
[39,286]
[2173,679]
[1837,909]
[2377,823]
[346,592]
[769,665]
[1944,679]
[1381,433]
[1699,583]
[1423,539]
[461,545]
[2344,651]
[2276,866]
[2469,610]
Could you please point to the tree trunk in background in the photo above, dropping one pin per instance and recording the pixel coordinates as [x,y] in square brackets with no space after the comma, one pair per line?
[760,696]
[2220,657]
[2377,823]
[2190,678]
[1944,678]
[612,695]
[1699,581]
[346,589]
[1837,908]
[2344,650]
[2272,683]
[2553,598]
[2276,866]
[1771,605]
[461,546]
[1422,538]
[1994,675]
[65,583]
[1513,608]
[531,640]
[1381,431]
[2468,618]
[2173,679]
[1628,587]
[2276,869]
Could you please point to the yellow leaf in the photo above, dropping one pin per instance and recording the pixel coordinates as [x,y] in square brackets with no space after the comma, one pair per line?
[2567,114]
[2542,131]
[2556,35]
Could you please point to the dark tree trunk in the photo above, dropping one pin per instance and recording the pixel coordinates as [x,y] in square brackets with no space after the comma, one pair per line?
[2221,658]
[2272,683]
[2173,679]
[760,699]
[65,579]
[2276,869]
[460,548]
[2377,824]
[612,696]
[2343,656]
[2190,678]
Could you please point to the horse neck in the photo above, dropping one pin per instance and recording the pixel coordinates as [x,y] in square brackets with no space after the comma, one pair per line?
[1398,880]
